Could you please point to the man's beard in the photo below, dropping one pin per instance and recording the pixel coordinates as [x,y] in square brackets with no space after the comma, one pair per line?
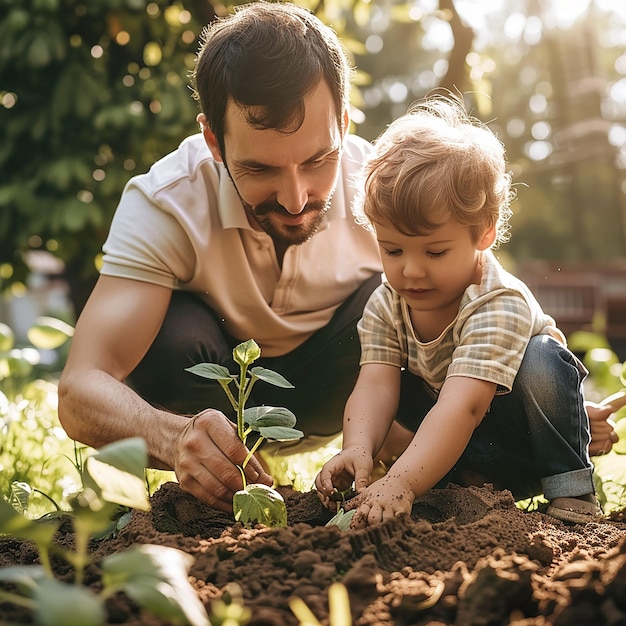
[285,234]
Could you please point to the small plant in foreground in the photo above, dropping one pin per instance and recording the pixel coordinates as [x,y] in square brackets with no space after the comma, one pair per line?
[255,502]
[155,577]
[339,613]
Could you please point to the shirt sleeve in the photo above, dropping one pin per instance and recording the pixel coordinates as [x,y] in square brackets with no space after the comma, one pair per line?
[380,330]
[492,341]
[147,243]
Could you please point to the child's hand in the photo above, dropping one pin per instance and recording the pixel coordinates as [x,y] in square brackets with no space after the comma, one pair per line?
[338,474]
[384,499]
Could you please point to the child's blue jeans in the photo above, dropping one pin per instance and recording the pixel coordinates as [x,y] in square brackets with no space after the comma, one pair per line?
[533,440]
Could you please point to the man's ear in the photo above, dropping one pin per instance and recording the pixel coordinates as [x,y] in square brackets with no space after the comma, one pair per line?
[346,123]
[209,137]
[487,239]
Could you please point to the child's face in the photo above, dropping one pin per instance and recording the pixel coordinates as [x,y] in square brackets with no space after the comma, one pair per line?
[431,272]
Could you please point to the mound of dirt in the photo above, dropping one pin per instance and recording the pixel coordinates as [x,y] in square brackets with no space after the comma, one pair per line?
[466,556]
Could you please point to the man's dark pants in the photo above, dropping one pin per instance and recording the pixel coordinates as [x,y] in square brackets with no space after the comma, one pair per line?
[323,369]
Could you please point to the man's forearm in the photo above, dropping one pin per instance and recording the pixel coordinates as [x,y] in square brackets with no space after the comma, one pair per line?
[96,409]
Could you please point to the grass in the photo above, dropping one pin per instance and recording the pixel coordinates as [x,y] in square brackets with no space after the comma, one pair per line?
[611,480]
[34,449]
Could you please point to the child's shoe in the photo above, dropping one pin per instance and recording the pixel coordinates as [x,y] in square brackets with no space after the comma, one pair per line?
[579,510]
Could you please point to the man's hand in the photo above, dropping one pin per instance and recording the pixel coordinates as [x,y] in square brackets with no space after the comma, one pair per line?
[603,434]
[208,452]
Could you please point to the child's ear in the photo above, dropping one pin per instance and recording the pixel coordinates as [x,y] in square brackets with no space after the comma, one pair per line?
[487,239]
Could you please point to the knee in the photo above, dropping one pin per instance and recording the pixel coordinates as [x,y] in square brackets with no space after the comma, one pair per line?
[549,366]
[544,356]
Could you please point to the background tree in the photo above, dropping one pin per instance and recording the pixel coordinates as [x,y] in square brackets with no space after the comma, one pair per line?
[91,92]
[553,108]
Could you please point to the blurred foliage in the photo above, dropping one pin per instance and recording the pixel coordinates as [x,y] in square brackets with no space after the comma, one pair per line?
[90,94]
[34,449]
[552,106]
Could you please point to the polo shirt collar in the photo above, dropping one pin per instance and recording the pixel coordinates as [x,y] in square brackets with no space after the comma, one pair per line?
[231,211]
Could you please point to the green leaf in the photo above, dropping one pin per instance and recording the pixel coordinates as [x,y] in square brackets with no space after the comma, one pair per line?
[247,352]
[156,578]
[20,496]
[39,53]
[91,515]
[65,174]
[259,504]
[129,455]
[21,362]
[116,471]
[7,338]
[61,604]
[157,597]
[49,333]
[342,519]
[136,5]
[229,609]
[18,19]
[269,376]
[257,416]
[145,560]
[116,485]
[280,433]
[212,371]
[24,577]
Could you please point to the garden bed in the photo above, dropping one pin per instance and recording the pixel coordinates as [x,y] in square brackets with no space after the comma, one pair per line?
[465,556]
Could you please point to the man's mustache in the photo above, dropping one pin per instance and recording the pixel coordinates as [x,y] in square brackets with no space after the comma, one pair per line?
[265,208]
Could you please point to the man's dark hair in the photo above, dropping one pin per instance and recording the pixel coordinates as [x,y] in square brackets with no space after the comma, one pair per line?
[268,56]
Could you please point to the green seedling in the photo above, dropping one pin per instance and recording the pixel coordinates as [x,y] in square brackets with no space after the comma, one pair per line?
[32,438]
[254,503]
[155,577]
[342,518]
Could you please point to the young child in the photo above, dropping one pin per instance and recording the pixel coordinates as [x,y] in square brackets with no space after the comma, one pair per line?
[455,348]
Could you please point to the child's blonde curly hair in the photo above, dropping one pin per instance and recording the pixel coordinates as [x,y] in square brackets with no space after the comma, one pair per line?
[433,164]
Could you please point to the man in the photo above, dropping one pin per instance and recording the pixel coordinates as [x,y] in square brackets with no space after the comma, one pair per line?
[245,231]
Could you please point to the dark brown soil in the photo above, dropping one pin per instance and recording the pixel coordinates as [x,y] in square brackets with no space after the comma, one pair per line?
[466,556]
